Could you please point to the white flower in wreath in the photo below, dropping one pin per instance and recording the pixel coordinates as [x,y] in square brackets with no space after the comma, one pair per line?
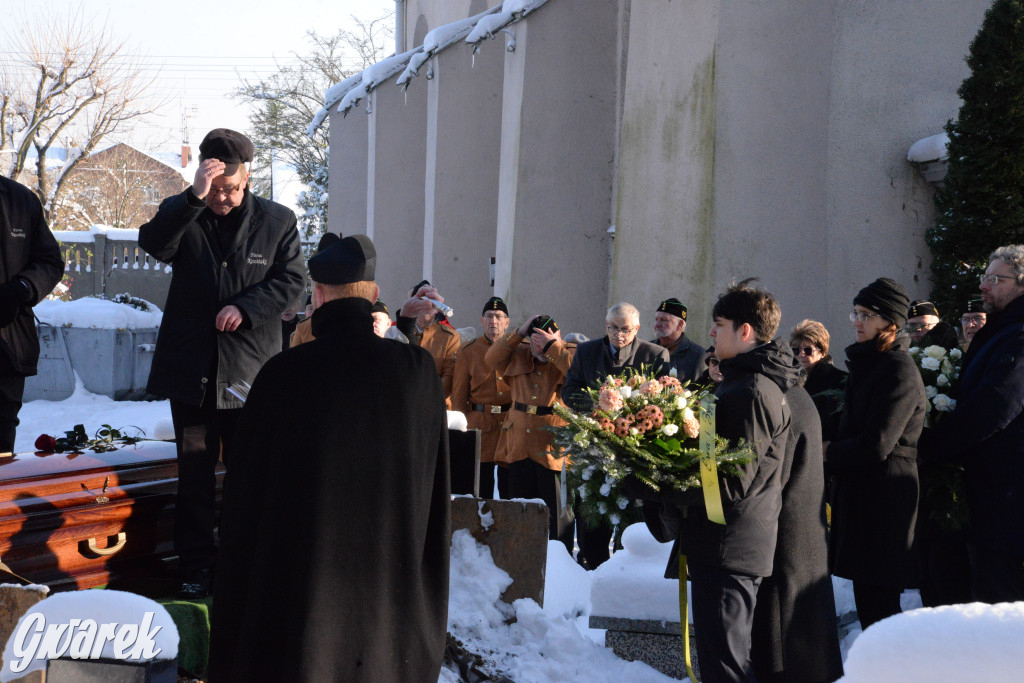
[583,492]
[673,372]
[623,503]
[680,402]
[588,473]
[670,429]
[930,392]
[941,380]
[602,507]
[688,415]
[956,354]
[930,363]
[633,431]
[935,351]
[625,391]
[944,403]
[687,393]
[606,488]
[614,519]
[914,350]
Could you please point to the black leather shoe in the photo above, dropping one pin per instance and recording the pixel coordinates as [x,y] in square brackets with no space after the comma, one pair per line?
[197,586]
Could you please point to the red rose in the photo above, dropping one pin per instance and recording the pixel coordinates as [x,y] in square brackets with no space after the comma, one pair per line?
[46,443]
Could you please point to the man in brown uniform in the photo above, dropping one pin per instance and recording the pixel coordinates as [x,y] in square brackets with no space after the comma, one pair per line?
[536,372]
[484,395]
[432,334]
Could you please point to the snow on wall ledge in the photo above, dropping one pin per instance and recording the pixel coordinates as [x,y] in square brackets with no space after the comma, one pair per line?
[928,149]
[85,236]
[97,314]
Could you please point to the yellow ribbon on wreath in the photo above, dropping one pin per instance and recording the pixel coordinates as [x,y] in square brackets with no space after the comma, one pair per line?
[708,465]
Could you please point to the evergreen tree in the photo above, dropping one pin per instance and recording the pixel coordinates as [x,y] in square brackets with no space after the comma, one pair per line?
[981,206]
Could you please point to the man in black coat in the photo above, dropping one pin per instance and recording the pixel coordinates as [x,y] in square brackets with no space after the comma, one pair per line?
[237,267]
[595,360]
[986,432]
[32,267]
[310,586]
[686,356]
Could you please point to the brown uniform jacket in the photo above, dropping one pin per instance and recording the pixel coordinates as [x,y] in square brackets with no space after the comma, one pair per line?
[532,383]
[476,382]
[303,333]
[443,344]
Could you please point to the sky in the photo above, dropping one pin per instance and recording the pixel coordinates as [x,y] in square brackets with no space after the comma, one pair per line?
[198,52]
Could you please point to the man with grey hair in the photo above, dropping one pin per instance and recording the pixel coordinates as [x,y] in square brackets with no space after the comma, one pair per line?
[986,432]
[687,357]
[620,350]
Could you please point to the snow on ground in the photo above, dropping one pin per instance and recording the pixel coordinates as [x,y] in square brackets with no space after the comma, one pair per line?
[91,312]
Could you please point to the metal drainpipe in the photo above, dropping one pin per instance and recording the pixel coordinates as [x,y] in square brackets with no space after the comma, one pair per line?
[400,10]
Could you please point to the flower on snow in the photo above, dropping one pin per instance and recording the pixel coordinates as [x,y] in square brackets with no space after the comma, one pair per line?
[670,429]
[930,362]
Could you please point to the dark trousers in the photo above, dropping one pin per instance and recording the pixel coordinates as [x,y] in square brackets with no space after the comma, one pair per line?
[203,435]
[487,478]
[593,541]
[996,576]
[875,603]
[529,479]
[11,389]
[723,615]
[945,568]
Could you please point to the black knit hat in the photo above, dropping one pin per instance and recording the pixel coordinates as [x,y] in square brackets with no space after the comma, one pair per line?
[379,307]
[351,259]
[495,304]
[887,298]
[673,306]
[922,307]
[975,305]
[228,146]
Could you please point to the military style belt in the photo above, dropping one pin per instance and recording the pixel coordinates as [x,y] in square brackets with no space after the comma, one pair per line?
[494,410]
[534,410]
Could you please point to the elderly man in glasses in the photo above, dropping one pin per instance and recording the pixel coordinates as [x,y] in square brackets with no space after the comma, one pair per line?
[973,319]
[927,329]
[685,355]
[614,354]
[986,433]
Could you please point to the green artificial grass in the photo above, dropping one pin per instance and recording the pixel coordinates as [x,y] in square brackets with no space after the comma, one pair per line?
[192,617]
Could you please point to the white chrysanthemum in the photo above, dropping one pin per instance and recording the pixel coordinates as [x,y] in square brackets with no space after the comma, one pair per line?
[688,414]
[955,354]
[673,372]
[588,473]
[583,492]
[623,503]
[942,380]
[625,391]
[670,429]
[614,519]
[930,392]
[602,508]
[680,402]
[930,363]
[935,351]
[633,431]
[605,489]
[944,403]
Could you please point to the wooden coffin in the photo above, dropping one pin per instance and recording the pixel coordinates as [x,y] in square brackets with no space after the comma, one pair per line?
[82,520]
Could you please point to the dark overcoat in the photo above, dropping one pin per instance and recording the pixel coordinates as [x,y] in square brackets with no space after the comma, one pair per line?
[593,362]
[261,272]
[873,464]
[795,639]
[335,530]
[687,357]
[28,251]
[986,432]
[827,386]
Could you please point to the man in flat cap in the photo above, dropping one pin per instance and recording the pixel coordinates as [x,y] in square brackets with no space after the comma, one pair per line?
[479,391]
[237,267]
[430,329]
[337,528]
[687,357]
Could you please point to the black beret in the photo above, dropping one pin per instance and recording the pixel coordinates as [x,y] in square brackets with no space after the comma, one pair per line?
[543,322]
[326,240]
[673,306]
[887,298]
[975,305]
[421,283]
[922,307]
[495,304]
[228,146]
[379,307]
[350,259]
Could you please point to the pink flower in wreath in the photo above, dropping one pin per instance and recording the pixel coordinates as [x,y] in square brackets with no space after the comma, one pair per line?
[656,417]
[622,426]
[609,399]
[651,387]
[691,427]
[645,425]
[635,381]
[605,424]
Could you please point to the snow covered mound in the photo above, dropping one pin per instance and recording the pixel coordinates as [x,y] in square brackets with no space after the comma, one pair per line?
[98,314]
[534,645]
[976,640]
[632,584]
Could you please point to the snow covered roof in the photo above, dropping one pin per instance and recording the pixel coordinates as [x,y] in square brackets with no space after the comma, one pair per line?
[928,149]
[86,236]
[352,90]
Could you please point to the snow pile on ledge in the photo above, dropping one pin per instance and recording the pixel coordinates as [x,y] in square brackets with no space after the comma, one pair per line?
[87,236]
[510,11]
[97,314]
[928,149]
[632,583]
[538,646]
[974,641]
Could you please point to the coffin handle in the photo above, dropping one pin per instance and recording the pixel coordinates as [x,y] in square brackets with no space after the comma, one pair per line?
[109,550]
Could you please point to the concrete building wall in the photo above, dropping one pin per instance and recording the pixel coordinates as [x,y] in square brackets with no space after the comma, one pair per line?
[461,183]
[349,141]
[430,14]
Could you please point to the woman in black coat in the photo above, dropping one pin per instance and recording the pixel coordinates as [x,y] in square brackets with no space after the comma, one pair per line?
[825,382]
[873,461]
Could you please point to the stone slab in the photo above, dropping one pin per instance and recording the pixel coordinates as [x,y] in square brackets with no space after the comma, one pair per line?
[14,602]
[655,627]
[517,534]
[661,652]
